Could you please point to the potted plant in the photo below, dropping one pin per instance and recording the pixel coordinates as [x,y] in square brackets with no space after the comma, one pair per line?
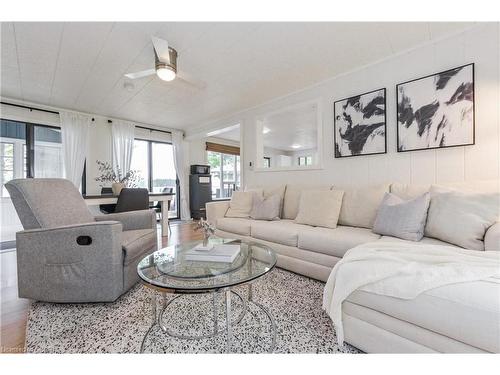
[108,175]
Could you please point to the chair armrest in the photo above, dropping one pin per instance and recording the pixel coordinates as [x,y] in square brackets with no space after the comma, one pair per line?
[144,219]
[492,237]
[73,263]
[216,210]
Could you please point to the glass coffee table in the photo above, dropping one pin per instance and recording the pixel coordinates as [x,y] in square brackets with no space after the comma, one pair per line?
[168,271]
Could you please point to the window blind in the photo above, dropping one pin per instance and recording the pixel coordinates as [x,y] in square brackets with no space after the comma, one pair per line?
[225,149]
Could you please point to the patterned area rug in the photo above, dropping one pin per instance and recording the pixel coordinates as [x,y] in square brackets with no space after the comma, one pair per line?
[293,300]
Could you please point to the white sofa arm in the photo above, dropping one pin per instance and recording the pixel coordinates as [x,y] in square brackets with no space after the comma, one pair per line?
[216,210]
[492,238]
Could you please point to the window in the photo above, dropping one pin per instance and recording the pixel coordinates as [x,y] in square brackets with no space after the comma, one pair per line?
[267,162]
[48,159]
[26,150]
[140,162]
[7,164]
[305,160]
[154,162]
[45,158]
[226,174]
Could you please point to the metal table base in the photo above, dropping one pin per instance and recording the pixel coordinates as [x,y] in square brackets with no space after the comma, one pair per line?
[157,318]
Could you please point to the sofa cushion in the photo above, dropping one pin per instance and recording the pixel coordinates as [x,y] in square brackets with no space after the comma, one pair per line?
[234,225]
[240,204]
[135,243]
[410,191]
[407,192]
[292,198]
[402,218]
[334,241]
[468,312]
[461,218]
[320,208]
[284,232]
[424,240]
[359,206]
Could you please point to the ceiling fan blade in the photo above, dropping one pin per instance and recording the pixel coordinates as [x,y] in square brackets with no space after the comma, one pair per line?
[161,49]
[189,79]
[141,74]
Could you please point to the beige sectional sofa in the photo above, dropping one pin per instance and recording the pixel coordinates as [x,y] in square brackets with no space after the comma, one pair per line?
[456,318]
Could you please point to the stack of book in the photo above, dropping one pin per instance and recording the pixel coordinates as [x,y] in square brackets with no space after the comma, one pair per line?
[223,253]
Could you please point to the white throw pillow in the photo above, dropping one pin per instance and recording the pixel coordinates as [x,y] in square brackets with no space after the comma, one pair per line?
[257,191]
[320,208]
[291,201]
[240,204]
[402,218]
[461,218]
[266,208]
[359,206]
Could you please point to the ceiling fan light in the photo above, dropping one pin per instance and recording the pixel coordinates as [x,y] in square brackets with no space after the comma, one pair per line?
[165,73]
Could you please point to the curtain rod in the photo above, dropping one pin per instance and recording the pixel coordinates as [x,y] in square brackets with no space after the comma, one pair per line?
[56,113]
[33,108]
[150,129]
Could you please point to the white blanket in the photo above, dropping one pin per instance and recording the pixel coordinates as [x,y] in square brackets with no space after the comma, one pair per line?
[402,270]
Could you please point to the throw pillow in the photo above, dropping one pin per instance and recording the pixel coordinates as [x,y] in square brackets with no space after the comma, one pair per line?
[402,218]
[257,191]
[240,204]
[320,208]
[268,191]
[461,218]
[266,208]
[291,200]
[359,206]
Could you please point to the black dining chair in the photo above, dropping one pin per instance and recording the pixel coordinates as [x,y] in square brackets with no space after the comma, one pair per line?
[107,208]
[157,206]
[132,199]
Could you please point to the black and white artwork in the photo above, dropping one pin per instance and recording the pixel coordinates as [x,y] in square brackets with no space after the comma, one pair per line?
[360,125]
[436,111]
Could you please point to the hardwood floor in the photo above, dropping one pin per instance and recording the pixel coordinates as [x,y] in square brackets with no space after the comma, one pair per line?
[14,310]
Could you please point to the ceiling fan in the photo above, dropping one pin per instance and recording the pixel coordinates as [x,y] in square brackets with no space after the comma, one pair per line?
[166,65]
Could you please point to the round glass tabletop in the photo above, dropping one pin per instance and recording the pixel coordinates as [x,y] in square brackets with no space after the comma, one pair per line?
[168,268]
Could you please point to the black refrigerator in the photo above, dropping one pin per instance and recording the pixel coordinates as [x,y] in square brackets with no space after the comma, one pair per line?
[200,190]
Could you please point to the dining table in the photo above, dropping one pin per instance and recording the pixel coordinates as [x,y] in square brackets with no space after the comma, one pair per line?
[163,198]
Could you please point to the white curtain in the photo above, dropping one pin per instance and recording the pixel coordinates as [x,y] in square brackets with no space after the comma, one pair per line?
[75,137]
[180,168]
[122,133]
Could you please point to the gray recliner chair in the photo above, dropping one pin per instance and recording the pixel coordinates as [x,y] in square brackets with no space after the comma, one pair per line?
[65,254]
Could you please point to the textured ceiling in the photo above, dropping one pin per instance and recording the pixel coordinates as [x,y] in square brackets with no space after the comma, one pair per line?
[80,66]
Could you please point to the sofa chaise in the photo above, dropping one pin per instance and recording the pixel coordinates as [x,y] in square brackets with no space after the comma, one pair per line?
[462,317]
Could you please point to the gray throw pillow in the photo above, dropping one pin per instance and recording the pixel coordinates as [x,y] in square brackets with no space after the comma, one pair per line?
[266,208]
[403,219]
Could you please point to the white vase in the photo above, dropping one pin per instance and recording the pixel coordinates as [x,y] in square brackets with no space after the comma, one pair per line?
[116,187]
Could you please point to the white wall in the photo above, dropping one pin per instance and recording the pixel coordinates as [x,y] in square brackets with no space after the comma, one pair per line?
[480,161]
